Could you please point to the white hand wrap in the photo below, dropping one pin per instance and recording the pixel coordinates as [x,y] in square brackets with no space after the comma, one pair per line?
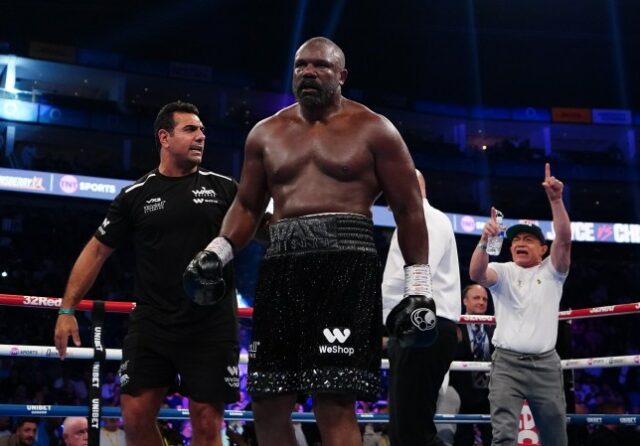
[222,248]
[417,281]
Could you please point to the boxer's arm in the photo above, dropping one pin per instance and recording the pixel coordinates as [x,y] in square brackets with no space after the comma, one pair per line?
[413,320]
[203,279]
[246,211]
[396,174]
[83,275]
[262,233]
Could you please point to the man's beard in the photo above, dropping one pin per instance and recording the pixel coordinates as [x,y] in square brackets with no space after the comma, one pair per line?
[319,98]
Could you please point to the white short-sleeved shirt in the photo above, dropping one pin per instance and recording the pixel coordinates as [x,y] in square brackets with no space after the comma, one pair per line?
[443,259]
[527,301]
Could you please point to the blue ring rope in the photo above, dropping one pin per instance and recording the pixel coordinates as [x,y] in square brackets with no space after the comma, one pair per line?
[36,410]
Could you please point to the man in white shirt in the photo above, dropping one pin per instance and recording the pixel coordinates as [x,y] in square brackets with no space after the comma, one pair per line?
[526,295]
[111,434]
[416,374]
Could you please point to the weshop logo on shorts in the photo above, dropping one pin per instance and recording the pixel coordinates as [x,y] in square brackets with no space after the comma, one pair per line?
[339,335]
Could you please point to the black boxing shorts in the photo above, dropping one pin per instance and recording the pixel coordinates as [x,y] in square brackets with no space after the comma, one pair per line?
[205,371]
[317,318]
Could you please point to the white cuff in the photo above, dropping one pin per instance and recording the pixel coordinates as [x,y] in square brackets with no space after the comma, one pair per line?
[417,280]
[222,248]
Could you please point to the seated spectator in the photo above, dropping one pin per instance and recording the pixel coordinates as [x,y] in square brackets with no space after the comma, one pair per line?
[474,344]
[75,431]
[25,434]
[111,434]
[613,434]
[5,426]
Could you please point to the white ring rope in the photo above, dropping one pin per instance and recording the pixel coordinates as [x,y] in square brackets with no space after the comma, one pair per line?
[41,351]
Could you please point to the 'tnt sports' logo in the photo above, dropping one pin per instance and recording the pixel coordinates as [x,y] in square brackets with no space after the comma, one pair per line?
[333,335]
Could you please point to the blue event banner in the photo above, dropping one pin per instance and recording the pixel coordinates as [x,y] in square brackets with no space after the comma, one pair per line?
[49,183]
[71,185]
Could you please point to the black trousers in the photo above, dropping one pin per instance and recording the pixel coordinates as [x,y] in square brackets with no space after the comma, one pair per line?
[415,377]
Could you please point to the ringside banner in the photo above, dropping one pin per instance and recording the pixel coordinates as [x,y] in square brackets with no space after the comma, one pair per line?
[72,185]
[50,183]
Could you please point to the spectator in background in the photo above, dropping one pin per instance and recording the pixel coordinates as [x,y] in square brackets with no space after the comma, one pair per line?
[25,435]
[613,434]
[110,390]
[75,431]
[474,344]
[5,426]
[111,434]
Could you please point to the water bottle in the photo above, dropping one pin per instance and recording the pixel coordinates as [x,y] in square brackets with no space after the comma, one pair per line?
[494,244]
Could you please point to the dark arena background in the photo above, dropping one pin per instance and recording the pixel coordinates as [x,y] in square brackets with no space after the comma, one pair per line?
[483,92]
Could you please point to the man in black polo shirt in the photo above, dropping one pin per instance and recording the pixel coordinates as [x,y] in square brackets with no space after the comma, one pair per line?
[168,215]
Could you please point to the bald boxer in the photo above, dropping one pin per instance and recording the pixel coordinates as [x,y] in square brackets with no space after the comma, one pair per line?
[317,313]
[526,295]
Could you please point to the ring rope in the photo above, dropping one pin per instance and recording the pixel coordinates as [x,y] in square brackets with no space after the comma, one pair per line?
[127,307]
[302,417]
[41,351]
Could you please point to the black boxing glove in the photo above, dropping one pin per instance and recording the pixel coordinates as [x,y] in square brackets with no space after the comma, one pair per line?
[413,320]
[203,280]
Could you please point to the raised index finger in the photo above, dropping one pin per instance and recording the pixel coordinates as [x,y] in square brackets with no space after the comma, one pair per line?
[547,171]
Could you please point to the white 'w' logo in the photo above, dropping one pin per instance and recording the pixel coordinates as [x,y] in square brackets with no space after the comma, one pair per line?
[198,200]
[340,335]
[233,370]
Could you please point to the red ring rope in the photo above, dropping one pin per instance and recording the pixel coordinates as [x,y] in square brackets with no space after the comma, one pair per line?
[54,302]
[127,307]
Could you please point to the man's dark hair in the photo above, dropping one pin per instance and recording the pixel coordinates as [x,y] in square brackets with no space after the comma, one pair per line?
[23,420]
[164,120]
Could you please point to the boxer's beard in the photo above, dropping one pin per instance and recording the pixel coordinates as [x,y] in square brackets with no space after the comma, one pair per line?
[319,97]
